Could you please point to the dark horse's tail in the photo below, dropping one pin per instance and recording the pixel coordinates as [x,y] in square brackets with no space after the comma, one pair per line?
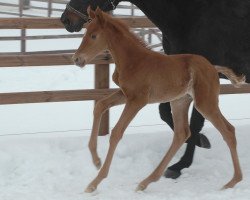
[236,80]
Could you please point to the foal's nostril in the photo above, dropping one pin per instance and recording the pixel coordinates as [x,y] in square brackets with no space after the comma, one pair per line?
[77,60]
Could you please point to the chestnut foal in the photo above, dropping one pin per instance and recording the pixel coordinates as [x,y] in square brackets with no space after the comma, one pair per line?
[146,77]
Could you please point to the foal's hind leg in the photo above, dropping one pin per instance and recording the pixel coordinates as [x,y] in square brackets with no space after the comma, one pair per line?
[102,105]
[211,111]
[181,133]
[196,138]
[196,124]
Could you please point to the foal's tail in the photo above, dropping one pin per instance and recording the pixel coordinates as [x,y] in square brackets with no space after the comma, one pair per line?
[236,80]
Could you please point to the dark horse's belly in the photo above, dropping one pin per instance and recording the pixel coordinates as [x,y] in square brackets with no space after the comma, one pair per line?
[222,36]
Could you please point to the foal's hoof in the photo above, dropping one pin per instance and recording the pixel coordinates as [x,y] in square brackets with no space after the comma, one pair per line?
[226,187]
[231,183]
[140,187]
[90,189]
[169,173]
[203,142]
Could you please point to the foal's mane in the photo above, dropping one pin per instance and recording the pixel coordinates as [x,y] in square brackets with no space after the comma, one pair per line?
[123,28]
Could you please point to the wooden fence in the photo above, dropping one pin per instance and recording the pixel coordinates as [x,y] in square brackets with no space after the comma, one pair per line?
[60,58]
[45,8]
[48,8]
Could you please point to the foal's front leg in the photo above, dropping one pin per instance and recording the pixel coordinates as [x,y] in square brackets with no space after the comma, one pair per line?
[102,105]
[129,112]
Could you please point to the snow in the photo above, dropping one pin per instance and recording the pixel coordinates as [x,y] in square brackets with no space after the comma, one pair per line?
[43,147]
[60,167]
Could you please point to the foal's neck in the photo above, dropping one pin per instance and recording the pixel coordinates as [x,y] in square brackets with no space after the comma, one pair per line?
[125,51]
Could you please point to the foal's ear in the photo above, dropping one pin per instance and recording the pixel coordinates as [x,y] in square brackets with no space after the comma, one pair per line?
[100,17]
[91,13]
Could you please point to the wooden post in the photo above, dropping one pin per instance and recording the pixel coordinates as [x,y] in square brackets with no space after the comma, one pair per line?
[132,9]
[150,37]
[26,4]
[23,41]
[23,31]
[49,8]
[102,82]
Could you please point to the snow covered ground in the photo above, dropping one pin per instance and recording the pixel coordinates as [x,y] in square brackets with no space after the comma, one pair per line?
[43,147]
[59,167]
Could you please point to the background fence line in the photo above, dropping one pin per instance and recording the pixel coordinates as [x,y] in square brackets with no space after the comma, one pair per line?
[142,25]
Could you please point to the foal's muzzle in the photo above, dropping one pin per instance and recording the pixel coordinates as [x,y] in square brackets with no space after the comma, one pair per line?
[79,61]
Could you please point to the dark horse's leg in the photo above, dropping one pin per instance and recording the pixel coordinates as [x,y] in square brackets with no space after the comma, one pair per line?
[196,124]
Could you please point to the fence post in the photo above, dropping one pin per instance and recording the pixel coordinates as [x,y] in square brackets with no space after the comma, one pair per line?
[26,4]
[102,82]
[49,8]
[23,31]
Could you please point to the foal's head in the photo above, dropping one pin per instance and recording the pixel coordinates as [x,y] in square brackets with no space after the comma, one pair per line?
[94,40]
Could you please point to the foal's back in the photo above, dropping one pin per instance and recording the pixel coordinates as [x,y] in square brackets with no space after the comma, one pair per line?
[173,76]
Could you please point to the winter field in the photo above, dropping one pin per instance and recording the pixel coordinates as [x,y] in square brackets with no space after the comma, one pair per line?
[44,153]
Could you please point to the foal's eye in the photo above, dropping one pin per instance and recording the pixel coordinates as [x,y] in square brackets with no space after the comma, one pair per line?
[93,36]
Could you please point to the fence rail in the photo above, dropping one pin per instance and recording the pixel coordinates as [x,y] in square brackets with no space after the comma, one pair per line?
[54,23]
[83,95]
[46,60]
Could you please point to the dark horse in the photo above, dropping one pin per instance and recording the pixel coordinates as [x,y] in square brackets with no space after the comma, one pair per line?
[217,29]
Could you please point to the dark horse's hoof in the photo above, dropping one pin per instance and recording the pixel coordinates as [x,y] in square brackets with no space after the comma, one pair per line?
[203,142]
[169,173]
